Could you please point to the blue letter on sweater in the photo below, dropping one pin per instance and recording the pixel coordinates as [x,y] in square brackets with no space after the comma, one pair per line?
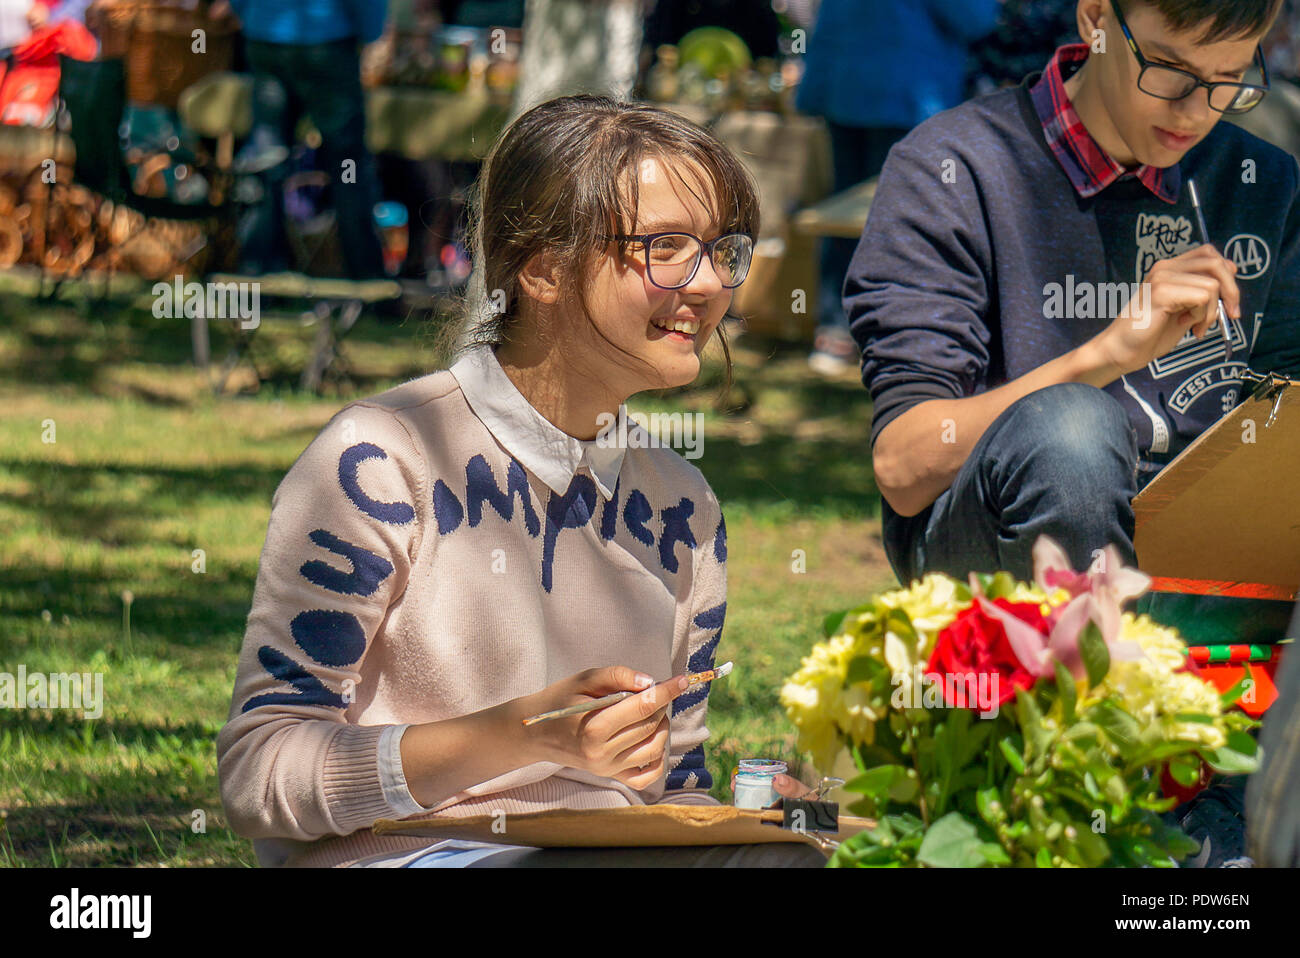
[396,513]
[308,690]
[368,569]
[446,508]
[572,510]
[481,487]
[702,659]
[635,513]
[609,515]
[329,637]
[676,529]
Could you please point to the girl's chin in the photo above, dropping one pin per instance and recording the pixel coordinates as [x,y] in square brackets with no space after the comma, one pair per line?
[677,371]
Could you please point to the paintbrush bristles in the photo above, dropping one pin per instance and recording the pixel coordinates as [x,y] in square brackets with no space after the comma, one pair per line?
[720,672]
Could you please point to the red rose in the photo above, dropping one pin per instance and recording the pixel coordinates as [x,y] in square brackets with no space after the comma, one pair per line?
[974,645]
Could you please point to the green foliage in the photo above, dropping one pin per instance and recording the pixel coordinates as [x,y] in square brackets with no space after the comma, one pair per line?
[1062,787]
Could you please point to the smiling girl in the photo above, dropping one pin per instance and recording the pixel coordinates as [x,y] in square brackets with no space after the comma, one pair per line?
[468,549]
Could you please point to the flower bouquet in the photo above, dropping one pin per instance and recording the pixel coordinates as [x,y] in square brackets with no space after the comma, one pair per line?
[998,722]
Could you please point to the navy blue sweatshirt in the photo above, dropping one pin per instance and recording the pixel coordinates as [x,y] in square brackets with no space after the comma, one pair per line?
[979,262]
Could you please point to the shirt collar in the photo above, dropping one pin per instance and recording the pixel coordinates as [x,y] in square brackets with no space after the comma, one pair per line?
[1089,168]
[547,451]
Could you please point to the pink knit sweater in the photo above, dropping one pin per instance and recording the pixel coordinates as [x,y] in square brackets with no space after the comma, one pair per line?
[439,549]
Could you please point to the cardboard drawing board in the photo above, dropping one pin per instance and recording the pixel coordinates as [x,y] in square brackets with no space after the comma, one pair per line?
[634,826]
[1227,510]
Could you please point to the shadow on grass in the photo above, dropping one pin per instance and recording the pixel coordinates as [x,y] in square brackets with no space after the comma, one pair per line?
[110,811]
[185,611]
[63,494]
[62,343]
[826,474]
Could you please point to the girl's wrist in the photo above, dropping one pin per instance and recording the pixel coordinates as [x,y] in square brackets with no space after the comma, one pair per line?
[521,743]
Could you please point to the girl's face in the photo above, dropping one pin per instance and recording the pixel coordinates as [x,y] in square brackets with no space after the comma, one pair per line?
[638,316]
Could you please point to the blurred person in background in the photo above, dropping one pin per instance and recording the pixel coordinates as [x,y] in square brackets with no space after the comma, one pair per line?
[1027,34]
[305,58]
[18,18]
[875,69]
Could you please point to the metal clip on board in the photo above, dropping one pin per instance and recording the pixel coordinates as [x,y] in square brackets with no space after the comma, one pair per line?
[1266,386]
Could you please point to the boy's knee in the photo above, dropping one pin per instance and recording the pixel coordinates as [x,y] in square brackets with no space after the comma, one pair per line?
[1071,424]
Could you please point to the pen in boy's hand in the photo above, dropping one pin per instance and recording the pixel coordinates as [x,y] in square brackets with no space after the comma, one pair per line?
[582,707]
[1205,238]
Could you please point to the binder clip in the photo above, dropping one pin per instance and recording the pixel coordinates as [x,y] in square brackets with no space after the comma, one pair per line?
[812,814]
[1266,386]
[805,815]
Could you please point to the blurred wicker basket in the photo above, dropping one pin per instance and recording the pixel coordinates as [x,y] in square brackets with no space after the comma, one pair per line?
[157,42]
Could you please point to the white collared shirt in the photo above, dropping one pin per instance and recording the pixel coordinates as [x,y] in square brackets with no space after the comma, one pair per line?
[540,446]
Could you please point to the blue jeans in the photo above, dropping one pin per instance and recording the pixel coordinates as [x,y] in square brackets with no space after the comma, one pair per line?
[857,154]
[323,80]
[1061,461]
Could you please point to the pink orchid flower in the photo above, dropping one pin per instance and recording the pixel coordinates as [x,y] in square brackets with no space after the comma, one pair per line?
[1095,596]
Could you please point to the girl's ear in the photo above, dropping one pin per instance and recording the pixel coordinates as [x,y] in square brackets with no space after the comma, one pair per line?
[540,278]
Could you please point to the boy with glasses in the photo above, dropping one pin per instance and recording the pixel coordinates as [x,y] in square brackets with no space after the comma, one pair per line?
[1038,314]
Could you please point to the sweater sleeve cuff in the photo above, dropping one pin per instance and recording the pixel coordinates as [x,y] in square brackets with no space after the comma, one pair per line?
[354,792]
[391,775]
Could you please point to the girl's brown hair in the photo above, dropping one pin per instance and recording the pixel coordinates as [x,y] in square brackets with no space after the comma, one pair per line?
[551,182]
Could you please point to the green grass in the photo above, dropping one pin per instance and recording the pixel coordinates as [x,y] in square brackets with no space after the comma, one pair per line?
[147,467]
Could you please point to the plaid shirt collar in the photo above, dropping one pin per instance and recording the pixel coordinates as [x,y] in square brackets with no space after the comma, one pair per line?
[1088,166]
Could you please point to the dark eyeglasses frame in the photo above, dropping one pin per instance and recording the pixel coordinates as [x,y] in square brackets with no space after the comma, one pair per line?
[706,249]
[1145,64]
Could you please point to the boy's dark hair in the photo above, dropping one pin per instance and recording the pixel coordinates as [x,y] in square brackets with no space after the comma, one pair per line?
[1233,20]
[555,180]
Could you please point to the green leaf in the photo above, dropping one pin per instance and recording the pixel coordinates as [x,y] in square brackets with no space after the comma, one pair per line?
[831,624]
[1066,689]
[975,742]
[1044,858]
[995,854]
[1186,771]
[885,782]
[1012,756]
[1038,737]
[1001,585]
[1121,727]
[1239,756]
[862,668]
[1231,695]
[952,842]
[1096,657]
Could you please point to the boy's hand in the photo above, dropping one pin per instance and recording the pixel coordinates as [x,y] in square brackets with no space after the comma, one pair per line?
[785,785]
[1177,294]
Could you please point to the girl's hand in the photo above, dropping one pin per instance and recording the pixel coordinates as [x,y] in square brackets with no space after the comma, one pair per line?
[627,741]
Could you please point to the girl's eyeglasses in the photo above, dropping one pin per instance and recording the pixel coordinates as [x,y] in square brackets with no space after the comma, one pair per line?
[1171,83]
[672,259]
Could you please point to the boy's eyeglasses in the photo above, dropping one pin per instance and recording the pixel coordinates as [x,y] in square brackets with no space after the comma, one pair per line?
[672,259]
[1171,83]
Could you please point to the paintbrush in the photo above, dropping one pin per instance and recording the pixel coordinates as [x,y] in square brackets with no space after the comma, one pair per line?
[1205,238]
[693,679]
